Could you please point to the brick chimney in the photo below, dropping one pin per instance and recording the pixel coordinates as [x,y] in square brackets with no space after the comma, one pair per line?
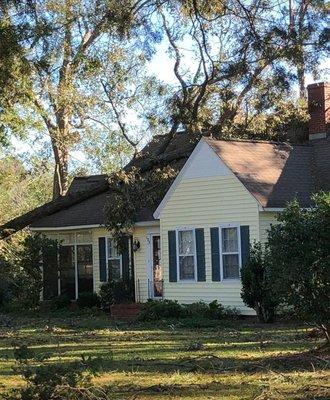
[319,110]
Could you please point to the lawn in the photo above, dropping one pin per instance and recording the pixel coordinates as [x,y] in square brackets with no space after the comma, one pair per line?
[177,360]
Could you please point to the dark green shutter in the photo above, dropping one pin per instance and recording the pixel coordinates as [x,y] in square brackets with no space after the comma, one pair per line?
[172,256]
[215,255]
[125,258]
[245,243]
[200,250]
[102,260]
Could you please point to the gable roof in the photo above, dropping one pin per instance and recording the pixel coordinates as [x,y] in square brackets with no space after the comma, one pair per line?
[274,173]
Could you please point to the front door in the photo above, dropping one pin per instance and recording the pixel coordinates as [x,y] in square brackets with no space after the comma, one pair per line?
[157,276]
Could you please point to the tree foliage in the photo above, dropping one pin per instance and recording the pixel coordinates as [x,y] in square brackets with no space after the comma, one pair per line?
[20,270]
[23,187]
[257,287]
[300,253]
[58,51]
[132,192]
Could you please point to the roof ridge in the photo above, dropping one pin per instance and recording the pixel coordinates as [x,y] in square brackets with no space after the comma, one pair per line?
[256,141]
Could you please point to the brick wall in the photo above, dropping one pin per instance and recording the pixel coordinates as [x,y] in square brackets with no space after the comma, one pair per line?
[319,109]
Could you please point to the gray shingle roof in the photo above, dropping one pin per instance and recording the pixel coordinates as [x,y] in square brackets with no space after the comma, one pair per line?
[274,173]
[91,211]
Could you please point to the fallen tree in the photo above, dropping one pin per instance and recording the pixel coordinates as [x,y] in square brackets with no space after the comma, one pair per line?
[141,164]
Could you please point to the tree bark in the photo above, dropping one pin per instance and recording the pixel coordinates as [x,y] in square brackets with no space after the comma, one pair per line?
[60,180]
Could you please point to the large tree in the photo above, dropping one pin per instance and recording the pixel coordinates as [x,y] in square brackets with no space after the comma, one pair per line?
[51,62]
[305,23]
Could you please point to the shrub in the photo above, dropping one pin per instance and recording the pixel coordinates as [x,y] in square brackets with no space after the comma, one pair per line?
[60,302]
[88,300]
[20,262]
[158,309]
[116,292]
[256,286]
[300,259]
[198,309]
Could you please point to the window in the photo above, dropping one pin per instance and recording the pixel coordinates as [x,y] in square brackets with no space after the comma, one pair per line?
[75,264]
[186,254]
[230,253]
[114,261]
[85,267]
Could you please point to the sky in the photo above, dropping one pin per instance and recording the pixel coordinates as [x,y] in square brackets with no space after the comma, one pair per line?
[161,66]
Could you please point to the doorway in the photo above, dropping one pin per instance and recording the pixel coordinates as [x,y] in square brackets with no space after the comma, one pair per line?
[156,269]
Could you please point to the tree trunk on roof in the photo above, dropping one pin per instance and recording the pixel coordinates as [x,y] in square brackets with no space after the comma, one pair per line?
[62,202]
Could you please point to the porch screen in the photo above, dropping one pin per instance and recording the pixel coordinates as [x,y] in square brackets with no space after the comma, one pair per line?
[85,268]
[67,271]
[50,273]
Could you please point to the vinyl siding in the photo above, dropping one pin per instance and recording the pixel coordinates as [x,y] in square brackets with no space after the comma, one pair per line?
[266,218]
[205,203]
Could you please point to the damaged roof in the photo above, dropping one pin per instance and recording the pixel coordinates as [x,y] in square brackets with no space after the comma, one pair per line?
[274,173]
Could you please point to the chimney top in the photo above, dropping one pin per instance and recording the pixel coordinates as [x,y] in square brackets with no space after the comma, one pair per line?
[319,109]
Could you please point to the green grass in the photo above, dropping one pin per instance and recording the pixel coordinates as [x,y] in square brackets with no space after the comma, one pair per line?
[238,359]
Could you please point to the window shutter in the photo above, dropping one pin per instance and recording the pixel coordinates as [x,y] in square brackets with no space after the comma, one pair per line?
[172,256]
[125,258]
[200,250]
[245,243]
[215,255]
[102,260]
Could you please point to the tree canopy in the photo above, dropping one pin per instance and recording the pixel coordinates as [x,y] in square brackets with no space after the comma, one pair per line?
[78,72]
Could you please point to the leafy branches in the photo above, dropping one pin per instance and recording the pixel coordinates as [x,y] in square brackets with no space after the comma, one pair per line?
[133,192]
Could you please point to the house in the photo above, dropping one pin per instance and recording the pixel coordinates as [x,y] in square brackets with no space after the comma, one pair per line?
[191,245]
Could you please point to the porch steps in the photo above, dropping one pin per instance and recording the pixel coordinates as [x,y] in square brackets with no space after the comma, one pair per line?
[124,311]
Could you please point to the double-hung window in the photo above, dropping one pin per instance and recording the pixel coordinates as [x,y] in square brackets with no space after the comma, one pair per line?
[230,252]
[115,268]
[186,254]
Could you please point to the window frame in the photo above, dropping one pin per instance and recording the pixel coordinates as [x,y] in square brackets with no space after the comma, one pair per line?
[73,243]
[238,252]
[178,255]
[120,258]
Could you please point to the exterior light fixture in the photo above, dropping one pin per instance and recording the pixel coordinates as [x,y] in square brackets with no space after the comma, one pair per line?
[136,245]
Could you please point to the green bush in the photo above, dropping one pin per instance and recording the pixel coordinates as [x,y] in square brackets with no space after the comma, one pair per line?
[60,302]
[88,300]
[20,262]
[300,259]
[256,284]
[166,309]
[157,309]
[116,292]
